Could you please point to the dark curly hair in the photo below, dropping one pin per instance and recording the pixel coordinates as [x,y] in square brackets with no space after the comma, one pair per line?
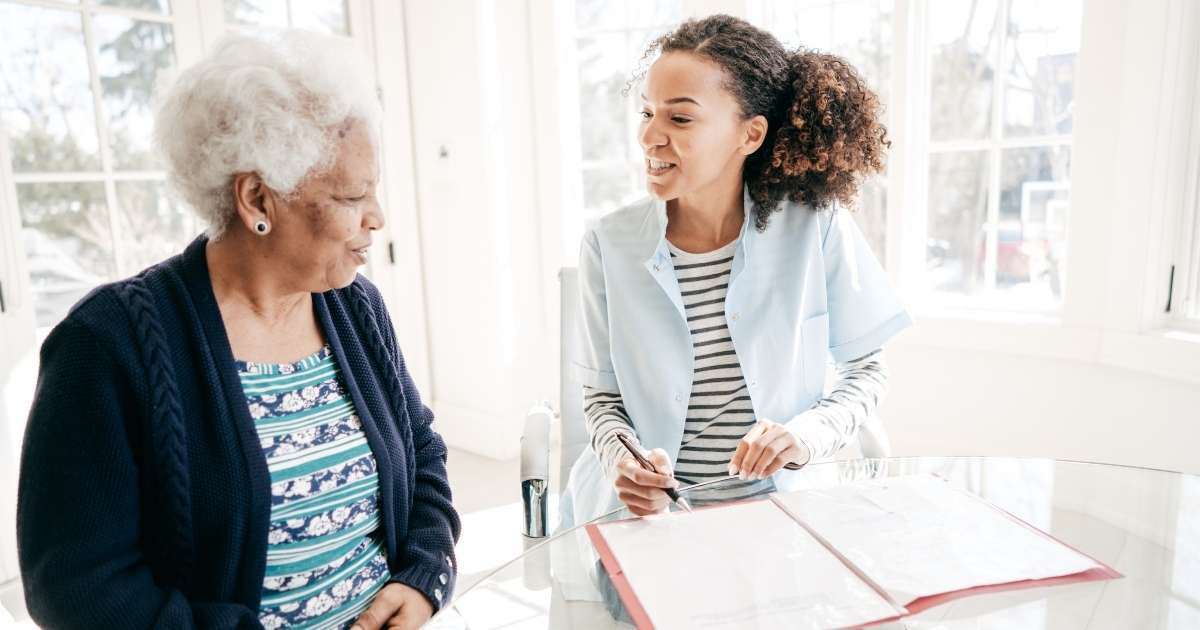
[824,129]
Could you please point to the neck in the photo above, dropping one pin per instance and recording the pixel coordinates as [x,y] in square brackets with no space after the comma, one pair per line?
[713,215]
[243,277]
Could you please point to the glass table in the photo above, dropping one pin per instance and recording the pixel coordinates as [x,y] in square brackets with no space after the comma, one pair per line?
[1144,523]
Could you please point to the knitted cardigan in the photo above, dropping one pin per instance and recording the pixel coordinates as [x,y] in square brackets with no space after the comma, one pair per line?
[144,496]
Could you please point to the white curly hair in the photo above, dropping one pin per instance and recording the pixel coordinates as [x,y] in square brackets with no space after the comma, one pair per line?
[270,106]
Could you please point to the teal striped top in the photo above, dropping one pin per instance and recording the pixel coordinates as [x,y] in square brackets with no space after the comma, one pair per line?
[326,558]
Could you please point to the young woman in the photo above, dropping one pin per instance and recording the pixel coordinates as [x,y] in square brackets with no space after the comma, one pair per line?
[709,309]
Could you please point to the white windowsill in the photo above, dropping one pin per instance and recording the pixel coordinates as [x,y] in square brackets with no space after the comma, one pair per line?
[1171,354]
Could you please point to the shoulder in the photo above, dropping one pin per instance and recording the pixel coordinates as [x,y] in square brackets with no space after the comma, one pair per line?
[118,302]
[363,298]
[638,220]
[632,232]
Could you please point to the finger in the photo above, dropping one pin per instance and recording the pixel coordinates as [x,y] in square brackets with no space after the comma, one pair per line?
[642,477]
[782,450]
[739,455]
[790,454]
[752,440]
[642,506]
[407,619]
[774,442]
[629,487]
[661,461]
[382,608]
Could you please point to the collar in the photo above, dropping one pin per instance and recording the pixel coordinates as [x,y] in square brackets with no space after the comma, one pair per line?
[660,256]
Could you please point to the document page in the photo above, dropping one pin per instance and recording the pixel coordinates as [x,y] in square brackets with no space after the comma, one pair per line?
[744,566]
[919,536]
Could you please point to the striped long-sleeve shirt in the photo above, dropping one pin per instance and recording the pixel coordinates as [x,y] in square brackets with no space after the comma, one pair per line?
[720,411]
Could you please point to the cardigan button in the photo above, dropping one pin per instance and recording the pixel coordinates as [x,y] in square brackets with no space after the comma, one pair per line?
[437,592]
[443,579]
[449,562]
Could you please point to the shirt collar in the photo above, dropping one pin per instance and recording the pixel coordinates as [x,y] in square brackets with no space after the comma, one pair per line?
[662,252]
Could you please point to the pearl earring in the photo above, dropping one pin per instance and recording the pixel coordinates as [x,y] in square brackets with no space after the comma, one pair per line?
[262,227]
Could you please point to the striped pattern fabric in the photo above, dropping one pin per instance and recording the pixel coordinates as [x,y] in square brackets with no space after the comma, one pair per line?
[325,556]
[719,411]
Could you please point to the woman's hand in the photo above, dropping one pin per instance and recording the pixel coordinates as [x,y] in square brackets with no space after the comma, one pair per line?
[641,490]
[396,606]
[766,448]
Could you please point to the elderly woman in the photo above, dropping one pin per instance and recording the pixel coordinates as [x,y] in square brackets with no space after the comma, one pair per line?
[231,438]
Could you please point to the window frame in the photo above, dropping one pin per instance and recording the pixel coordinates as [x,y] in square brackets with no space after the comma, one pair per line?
[1183,299]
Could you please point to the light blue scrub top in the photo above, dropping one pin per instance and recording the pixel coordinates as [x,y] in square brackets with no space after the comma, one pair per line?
[805,288]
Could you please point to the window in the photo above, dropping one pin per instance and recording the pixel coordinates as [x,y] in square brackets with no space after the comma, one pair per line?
[1001,83]
[322,16]
[610,38]
[859,31]
[76,101]
[1184,301]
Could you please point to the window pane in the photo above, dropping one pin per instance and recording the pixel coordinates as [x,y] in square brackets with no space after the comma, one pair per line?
[657,14]
[602,108]
[68,244]
[322,16]
[1031,243]
[1040,76]
[871,216]
[861,32]
[264,12]
[600,14]
[45,90]
[963,43]
[156,6]
[605,189]
[131,56]
[957,240]
[152,227]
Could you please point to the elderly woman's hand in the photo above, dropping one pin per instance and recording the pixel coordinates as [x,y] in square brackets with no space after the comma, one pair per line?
[396,606]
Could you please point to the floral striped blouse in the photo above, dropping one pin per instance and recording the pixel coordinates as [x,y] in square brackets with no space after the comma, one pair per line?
[326,558]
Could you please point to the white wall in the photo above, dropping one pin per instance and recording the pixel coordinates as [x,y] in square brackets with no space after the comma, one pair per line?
[946,401]
[491,344]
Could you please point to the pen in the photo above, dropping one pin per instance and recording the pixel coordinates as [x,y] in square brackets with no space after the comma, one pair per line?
[645,463]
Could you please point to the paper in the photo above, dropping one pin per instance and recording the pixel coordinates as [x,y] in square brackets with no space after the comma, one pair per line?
[918,536]
[742,566]
[843,556]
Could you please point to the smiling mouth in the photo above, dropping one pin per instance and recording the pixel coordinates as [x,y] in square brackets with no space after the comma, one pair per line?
[361,253]
[658,167]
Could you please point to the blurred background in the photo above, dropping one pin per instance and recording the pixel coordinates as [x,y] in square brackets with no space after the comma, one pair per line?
[1040,212]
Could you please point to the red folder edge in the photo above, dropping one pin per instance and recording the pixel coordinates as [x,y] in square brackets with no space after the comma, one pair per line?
[633,605]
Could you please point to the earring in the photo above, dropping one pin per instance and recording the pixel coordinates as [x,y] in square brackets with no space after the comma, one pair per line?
[262,227]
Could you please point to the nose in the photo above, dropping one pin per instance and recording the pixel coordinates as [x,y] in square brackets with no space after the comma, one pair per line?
[374,218]
[651,136]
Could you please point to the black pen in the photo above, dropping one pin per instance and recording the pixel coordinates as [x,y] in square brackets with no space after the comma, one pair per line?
[645,463]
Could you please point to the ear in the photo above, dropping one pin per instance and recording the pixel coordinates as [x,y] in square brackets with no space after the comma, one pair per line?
[755,132]
[253,200]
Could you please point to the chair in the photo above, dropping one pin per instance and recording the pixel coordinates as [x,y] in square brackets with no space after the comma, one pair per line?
[553,439]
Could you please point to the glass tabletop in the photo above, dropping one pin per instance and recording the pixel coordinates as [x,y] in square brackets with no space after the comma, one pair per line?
[1142,522]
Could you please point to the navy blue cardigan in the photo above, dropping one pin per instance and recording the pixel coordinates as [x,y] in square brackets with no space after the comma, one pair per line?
[144,496]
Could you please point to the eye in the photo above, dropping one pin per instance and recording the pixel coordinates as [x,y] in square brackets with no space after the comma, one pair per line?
[681,119]
[645,115]
[354,199]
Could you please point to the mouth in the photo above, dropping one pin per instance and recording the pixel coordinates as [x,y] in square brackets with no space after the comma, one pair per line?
[656,168]
[361,254]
